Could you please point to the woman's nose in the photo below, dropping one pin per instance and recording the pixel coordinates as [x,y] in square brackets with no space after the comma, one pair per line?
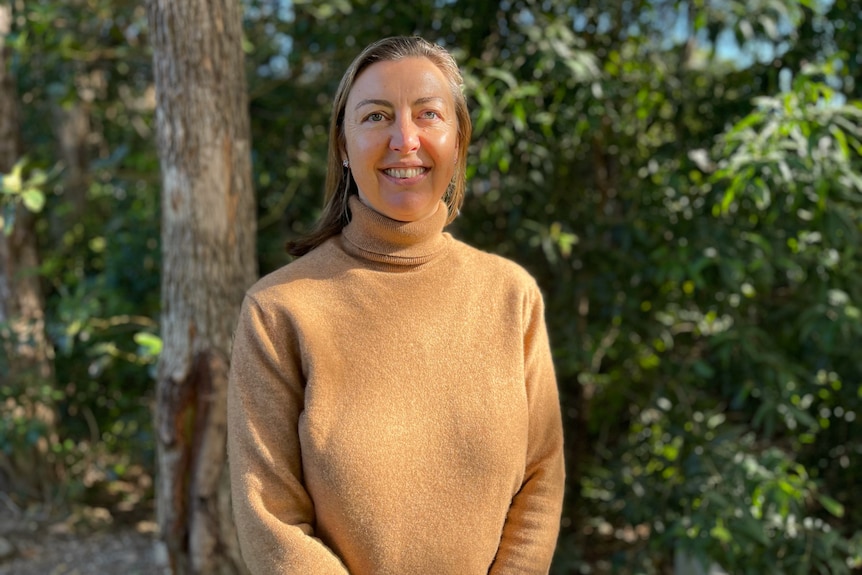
[405,136]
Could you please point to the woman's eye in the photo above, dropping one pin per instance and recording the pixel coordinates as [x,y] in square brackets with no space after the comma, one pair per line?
[375,117]
[430,115]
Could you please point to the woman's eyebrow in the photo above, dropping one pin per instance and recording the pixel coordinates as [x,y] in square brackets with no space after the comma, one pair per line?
[428,100]
[388,104]
[385,103]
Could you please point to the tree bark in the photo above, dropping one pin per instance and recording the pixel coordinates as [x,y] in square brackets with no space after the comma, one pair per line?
[72,128]
[208,235]
[27,353]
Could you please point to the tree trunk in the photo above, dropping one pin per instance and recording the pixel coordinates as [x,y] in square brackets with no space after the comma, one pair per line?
[208,234]
[72,128]
[27,355]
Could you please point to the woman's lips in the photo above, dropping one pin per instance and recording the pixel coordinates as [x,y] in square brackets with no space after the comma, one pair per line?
[405,173]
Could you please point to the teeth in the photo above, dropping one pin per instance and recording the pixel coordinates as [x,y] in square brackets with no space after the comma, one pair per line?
[404,173]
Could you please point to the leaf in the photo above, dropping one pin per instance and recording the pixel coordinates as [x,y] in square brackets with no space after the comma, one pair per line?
[150,342]
[729,195]
[34,200]
[503,75]
[12,181]
[750,120]
[831,505]
[519,117]
[38,178]
[753,529]
[769,26]
[841,139]
[721,533]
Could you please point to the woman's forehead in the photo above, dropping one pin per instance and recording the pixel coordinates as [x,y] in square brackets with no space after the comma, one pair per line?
[414,78]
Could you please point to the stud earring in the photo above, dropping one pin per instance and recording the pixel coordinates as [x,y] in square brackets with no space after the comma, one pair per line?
[346,163]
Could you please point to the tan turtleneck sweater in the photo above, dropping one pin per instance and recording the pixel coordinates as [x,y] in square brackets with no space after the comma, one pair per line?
[392,409]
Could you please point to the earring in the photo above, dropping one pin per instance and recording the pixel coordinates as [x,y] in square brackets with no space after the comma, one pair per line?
[346,163]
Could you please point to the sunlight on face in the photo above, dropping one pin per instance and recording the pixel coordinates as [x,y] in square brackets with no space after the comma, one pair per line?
[402,137]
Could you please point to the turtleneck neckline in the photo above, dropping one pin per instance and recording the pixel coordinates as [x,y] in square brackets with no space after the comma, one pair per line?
[373,236]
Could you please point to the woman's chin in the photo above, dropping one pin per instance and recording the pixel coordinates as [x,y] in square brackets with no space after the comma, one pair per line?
[407,209]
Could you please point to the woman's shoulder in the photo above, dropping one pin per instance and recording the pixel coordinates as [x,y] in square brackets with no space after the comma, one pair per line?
[298,275]
[494,267]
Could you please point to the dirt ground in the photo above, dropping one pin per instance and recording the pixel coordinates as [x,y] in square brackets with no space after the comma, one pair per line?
[87,542]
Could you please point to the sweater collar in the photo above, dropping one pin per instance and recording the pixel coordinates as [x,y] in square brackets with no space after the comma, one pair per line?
[373,236]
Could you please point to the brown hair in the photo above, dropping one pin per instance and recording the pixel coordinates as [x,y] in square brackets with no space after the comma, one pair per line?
[339,183]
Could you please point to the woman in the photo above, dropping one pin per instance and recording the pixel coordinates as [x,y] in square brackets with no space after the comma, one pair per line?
[392,405]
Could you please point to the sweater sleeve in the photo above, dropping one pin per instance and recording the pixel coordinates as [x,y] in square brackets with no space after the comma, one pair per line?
[532,524]
[274,513]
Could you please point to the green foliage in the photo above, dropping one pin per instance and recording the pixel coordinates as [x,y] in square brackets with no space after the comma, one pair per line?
[700,244]
[18,189]
[82,74]
[683,178]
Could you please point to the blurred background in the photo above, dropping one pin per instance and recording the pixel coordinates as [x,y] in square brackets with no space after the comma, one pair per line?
[682,177]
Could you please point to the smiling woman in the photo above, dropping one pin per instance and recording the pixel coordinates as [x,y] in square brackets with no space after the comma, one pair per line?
[341,184]
[392,406]
[401,137]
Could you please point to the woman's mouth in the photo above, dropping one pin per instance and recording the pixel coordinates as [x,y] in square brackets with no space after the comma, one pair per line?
[405,173]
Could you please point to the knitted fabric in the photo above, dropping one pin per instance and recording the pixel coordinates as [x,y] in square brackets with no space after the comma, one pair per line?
[392,409]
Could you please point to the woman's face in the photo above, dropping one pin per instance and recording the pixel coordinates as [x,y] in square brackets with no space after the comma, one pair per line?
[402,137]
